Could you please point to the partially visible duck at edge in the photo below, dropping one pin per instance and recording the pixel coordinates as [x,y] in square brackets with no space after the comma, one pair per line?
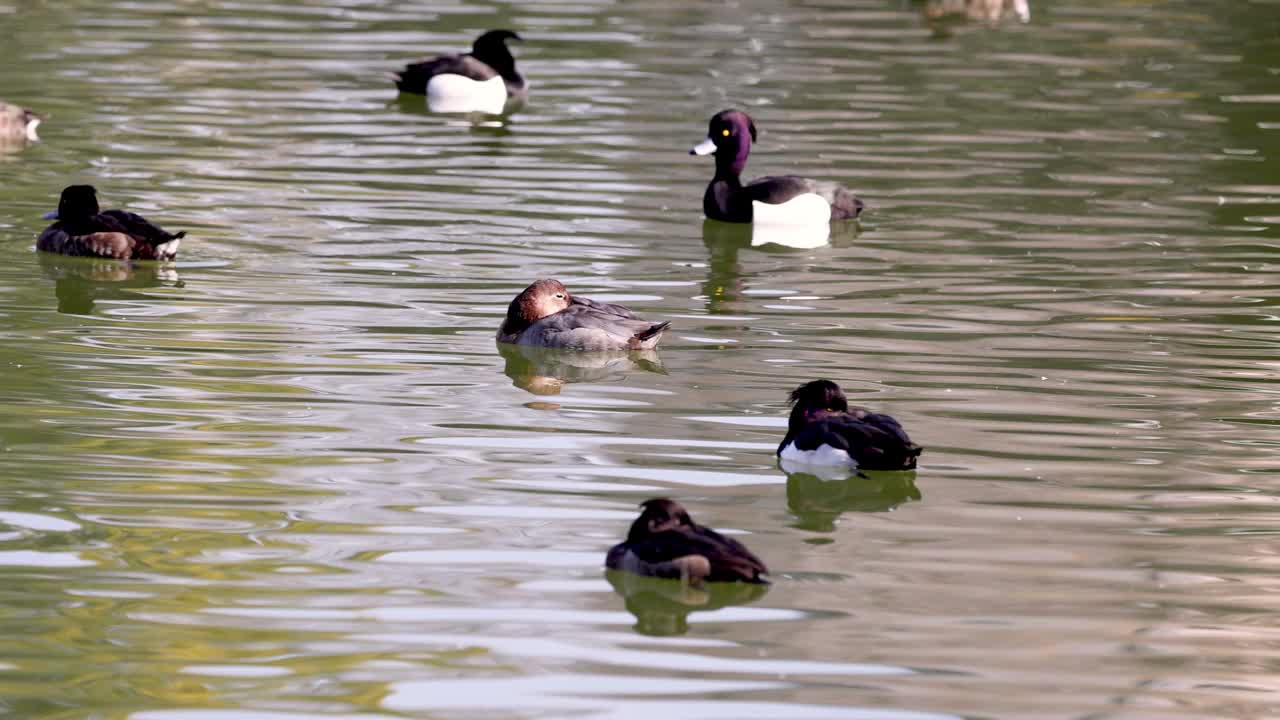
[18,124]
[665,542]
[546,315]
[824,431]
[83,230]
[479,81]
[781,199]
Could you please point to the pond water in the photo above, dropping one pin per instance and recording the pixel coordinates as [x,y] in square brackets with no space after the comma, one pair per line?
[291,476]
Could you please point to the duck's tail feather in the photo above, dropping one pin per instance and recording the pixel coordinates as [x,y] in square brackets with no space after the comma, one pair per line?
[652,331]
[169,250]
[647,339]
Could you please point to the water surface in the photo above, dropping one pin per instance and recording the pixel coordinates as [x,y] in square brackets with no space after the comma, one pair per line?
[292,477]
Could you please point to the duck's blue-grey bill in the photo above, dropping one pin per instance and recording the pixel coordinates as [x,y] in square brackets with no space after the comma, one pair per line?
[50,215]
[706,147]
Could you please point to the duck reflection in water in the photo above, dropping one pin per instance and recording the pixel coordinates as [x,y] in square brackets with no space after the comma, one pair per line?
[545,371]
[662,607]
[79,282]
[818,502]
[724,241]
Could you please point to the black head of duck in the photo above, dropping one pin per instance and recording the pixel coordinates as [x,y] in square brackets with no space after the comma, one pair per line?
[786,200]
[665,542]
[823,430]
[83,229]
[492,50]
[546,315]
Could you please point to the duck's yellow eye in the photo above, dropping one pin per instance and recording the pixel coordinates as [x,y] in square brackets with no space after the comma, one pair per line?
[725,132]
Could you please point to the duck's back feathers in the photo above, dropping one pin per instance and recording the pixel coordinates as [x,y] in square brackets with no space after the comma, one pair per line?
[414,77]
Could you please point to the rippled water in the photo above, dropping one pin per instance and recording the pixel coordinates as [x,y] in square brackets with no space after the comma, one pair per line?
[293,477]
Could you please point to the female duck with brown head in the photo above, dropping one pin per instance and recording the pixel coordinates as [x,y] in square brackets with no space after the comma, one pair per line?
[780,199]
[17,125]
[824,431]
[546,315]
[665,542]
[81,229]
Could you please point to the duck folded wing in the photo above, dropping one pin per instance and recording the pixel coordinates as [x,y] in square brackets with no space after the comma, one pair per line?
[138,226]
[585,327]
[414,77]
[779,189]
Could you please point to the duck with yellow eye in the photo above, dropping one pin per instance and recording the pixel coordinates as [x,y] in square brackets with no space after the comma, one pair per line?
[778,199]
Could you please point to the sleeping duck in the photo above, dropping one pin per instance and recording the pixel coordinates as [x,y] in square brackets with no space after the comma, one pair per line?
[479,81]
[84,231]
[17,124]
[665,542]
[823,431]
[546,315]
[780,199]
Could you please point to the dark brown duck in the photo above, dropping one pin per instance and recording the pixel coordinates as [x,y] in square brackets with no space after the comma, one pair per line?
[665,542]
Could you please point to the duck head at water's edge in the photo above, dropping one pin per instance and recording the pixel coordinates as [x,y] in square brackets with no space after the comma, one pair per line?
[665,542]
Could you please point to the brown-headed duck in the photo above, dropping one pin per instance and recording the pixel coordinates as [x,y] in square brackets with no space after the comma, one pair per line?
[17,124]
[778,199]
[824,431]
[665,542]
[479,81]
[83,230]
[546,315]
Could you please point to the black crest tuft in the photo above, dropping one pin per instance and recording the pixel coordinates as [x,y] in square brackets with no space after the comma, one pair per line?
[819,394]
